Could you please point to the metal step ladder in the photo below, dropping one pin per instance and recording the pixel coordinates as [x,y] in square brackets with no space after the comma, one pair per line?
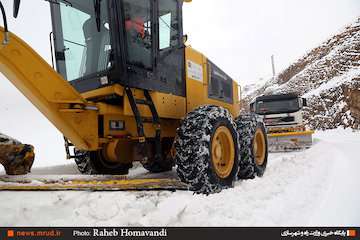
[155,120]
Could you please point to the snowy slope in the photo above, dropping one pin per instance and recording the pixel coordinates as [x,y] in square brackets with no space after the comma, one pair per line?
[329,76]
[315,187]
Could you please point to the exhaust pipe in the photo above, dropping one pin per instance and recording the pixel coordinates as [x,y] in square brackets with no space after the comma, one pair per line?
[16,8]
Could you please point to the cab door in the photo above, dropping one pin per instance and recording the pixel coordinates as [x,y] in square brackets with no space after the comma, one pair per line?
[170,50]
[154,50]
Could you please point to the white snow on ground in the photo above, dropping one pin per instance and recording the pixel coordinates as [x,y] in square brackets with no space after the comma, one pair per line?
[319,186]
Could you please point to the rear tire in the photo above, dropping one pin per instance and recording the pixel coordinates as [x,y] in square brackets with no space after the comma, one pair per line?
[254,147]
[93,163]
[207,150]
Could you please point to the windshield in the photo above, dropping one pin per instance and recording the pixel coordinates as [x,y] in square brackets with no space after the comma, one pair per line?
[277,107]
[86,50]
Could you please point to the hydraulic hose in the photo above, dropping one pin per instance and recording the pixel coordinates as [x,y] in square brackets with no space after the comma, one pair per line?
[6,33]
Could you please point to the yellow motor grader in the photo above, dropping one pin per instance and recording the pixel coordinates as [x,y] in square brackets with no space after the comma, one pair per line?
[125,87]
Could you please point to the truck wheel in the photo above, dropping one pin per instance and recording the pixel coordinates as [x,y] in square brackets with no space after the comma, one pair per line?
[254,147]
[207,150]
[92,163]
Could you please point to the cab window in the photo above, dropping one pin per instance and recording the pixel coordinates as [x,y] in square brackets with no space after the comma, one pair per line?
[138,32]
[86,50]
[168,24]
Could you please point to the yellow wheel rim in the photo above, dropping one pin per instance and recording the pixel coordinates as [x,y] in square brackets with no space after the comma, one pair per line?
[223,152]
[259,147]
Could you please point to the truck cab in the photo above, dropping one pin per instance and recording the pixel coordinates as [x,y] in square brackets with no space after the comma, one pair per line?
[282,115]
[279,112]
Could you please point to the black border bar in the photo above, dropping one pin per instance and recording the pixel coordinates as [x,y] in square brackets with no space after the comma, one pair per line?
[217,233]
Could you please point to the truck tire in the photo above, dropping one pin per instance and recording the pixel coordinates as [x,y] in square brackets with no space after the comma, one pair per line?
[93,163]
[254,147]
[207,149]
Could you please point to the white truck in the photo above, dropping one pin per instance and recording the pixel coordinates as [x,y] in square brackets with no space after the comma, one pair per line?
[283,118]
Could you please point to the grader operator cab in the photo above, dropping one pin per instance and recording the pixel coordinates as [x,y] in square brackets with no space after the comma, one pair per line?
[127,88]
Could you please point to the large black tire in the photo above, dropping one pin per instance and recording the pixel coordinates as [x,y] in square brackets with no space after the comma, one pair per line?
[247,125]
[193,149]
[93,163]
[167,162]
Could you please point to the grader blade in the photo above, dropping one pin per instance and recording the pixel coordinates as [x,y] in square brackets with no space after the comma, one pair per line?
[17,158]
[290,141]
[89,183]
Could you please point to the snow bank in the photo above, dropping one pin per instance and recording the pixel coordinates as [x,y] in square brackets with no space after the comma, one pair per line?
[314,187]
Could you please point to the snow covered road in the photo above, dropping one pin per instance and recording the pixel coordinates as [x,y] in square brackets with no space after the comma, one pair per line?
[320,186]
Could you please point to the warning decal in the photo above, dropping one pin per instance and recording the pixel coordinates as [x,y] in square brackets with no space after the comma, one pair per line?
[194,71]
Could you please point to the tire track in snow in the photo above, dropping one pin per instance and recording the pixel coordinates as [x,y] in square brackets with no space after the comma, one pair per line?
[340,205]
[284,196]
[272,200]
[290,186]
[295,190]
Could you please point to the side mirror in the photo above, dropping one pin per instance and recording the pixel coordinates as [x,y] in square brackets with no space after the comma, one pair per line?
[185,38]
[16,8]
[304,102]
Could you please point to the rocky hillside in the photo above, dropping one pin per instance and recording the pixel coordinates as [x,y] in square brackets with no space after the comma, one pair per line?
[329,76]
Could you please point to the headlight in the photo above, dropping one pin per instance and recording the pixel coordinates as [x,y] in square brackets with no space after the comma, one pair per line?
[117,125]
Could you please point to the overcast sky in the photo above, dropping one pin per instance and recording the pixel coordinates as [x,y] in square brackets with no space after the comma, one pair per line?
[239,36]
